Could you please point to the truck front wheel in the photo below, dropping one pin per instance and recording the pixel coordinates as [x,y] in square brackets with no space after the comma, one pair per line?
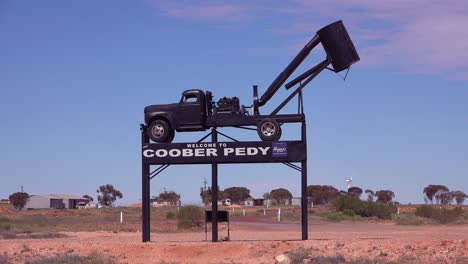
[269,129]
[160,131]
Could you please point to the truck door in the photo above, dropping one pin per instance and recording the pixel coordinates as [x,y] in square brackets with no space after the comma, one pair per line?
[192,108]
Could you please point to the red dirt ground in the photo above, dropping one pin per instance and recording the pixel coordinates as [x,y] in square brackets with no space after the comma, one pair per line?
[259,243]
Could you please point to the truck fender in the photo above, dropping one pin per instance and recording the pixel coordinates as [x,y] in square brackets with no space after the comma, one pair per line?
[165,116]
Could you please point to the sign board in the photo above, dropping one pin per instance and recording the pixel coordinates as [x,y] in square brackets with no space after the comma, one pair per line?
[224,152]
[223,216]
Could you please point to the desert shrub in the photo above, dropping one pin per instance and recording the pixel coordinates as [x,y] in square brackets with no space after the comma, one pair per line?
[348,212]
[170,215]
[189,216]
[290,217]
[363,208]
[408,219]
[46,235]
[442,215]
[425,211]
[236,214]
[336,217]
[7,234]
[35,219]
[5,224]
[305,255]
[337,259]
[298,255]
[93,258]
[4,260]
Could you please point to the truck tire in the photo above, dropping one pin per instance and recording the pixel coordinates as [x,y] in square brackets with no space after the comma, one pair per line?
[160,131]
[269,129]
[171,136]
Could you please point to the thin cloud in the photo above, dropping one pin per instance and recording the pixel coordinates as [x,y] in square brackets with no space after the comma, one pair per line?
[414,36]
[202,11]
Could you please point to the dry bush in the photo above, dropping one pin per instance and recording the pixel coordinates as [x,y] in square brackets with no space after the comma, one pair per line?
[409,219]
[190,216]
[442,215]
[305,255]
[46,235]
[350,204]
[92,258]
[8,234]
[4,260]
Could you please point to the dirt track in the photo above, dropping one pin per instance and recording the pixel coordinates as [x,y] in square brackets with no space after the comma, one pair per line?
[259,243]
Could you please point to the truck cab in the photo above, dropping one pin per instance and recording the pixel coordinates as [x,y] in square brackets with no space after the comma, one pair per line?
[187,115]
[191,110]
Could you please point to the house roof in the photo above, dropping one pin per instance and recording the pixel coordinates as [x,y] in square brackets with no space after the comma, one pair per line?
[60,196]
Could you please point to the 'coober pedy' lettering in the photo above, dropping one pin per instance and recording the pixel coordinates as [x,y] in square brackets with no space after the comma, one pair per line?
[205,152]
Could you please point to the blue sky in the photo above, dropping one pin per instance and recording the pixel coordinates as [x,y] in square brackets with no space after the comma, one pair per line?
[75,77]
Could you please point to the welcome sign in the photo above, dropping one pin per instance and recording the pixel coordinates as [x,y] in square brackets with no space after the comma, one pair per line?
[224,152]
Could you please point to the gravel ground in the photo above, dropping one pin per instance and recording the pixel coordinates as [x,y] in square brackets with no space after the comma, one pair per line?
[258,243]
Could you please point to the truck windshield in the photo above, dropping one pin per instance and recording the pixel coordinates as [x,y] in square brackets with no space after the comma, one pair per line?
[190,98]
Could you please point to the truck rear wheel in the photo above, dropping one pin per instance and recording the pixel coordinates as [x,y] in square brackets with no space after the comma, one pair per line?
[269,129]
[161,131]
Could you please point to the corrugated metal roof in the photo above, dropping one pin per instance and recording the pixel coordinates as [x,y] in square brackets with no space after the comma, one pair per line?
[60,196]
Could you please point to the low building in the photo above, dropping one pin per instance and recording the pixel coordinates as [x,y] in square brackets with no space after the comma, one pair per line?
[158,202]
[249,202]
[268,202]
[258,202]
[295,201]
[54,201]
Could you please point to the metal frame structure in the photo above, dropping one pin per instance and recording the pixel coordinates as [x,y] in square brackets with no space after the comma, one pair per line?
[341,54]
[147,175]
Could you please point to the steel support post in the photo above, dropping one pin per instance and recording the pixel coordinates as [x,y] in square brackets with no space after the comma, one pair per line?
[214,192]
[145,192]
[305,227]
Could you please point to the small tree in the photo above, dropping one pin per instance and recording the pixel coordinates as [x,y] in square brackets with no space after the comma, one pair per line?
[355,192]
[370,195]
[445,197]
[171,197]
[280,194]
[459,197]
[89,197]
[237,194]
[431,191]
[107,195]
[321,194]
[19,200]
[384,196]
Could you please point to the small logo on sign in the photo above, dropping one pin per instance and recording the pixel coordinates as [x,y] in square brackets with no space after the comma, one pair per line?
[279,149]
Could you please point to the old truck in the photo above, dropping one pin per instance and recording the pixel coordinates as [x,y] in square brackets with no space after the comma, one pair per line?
[198,111]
